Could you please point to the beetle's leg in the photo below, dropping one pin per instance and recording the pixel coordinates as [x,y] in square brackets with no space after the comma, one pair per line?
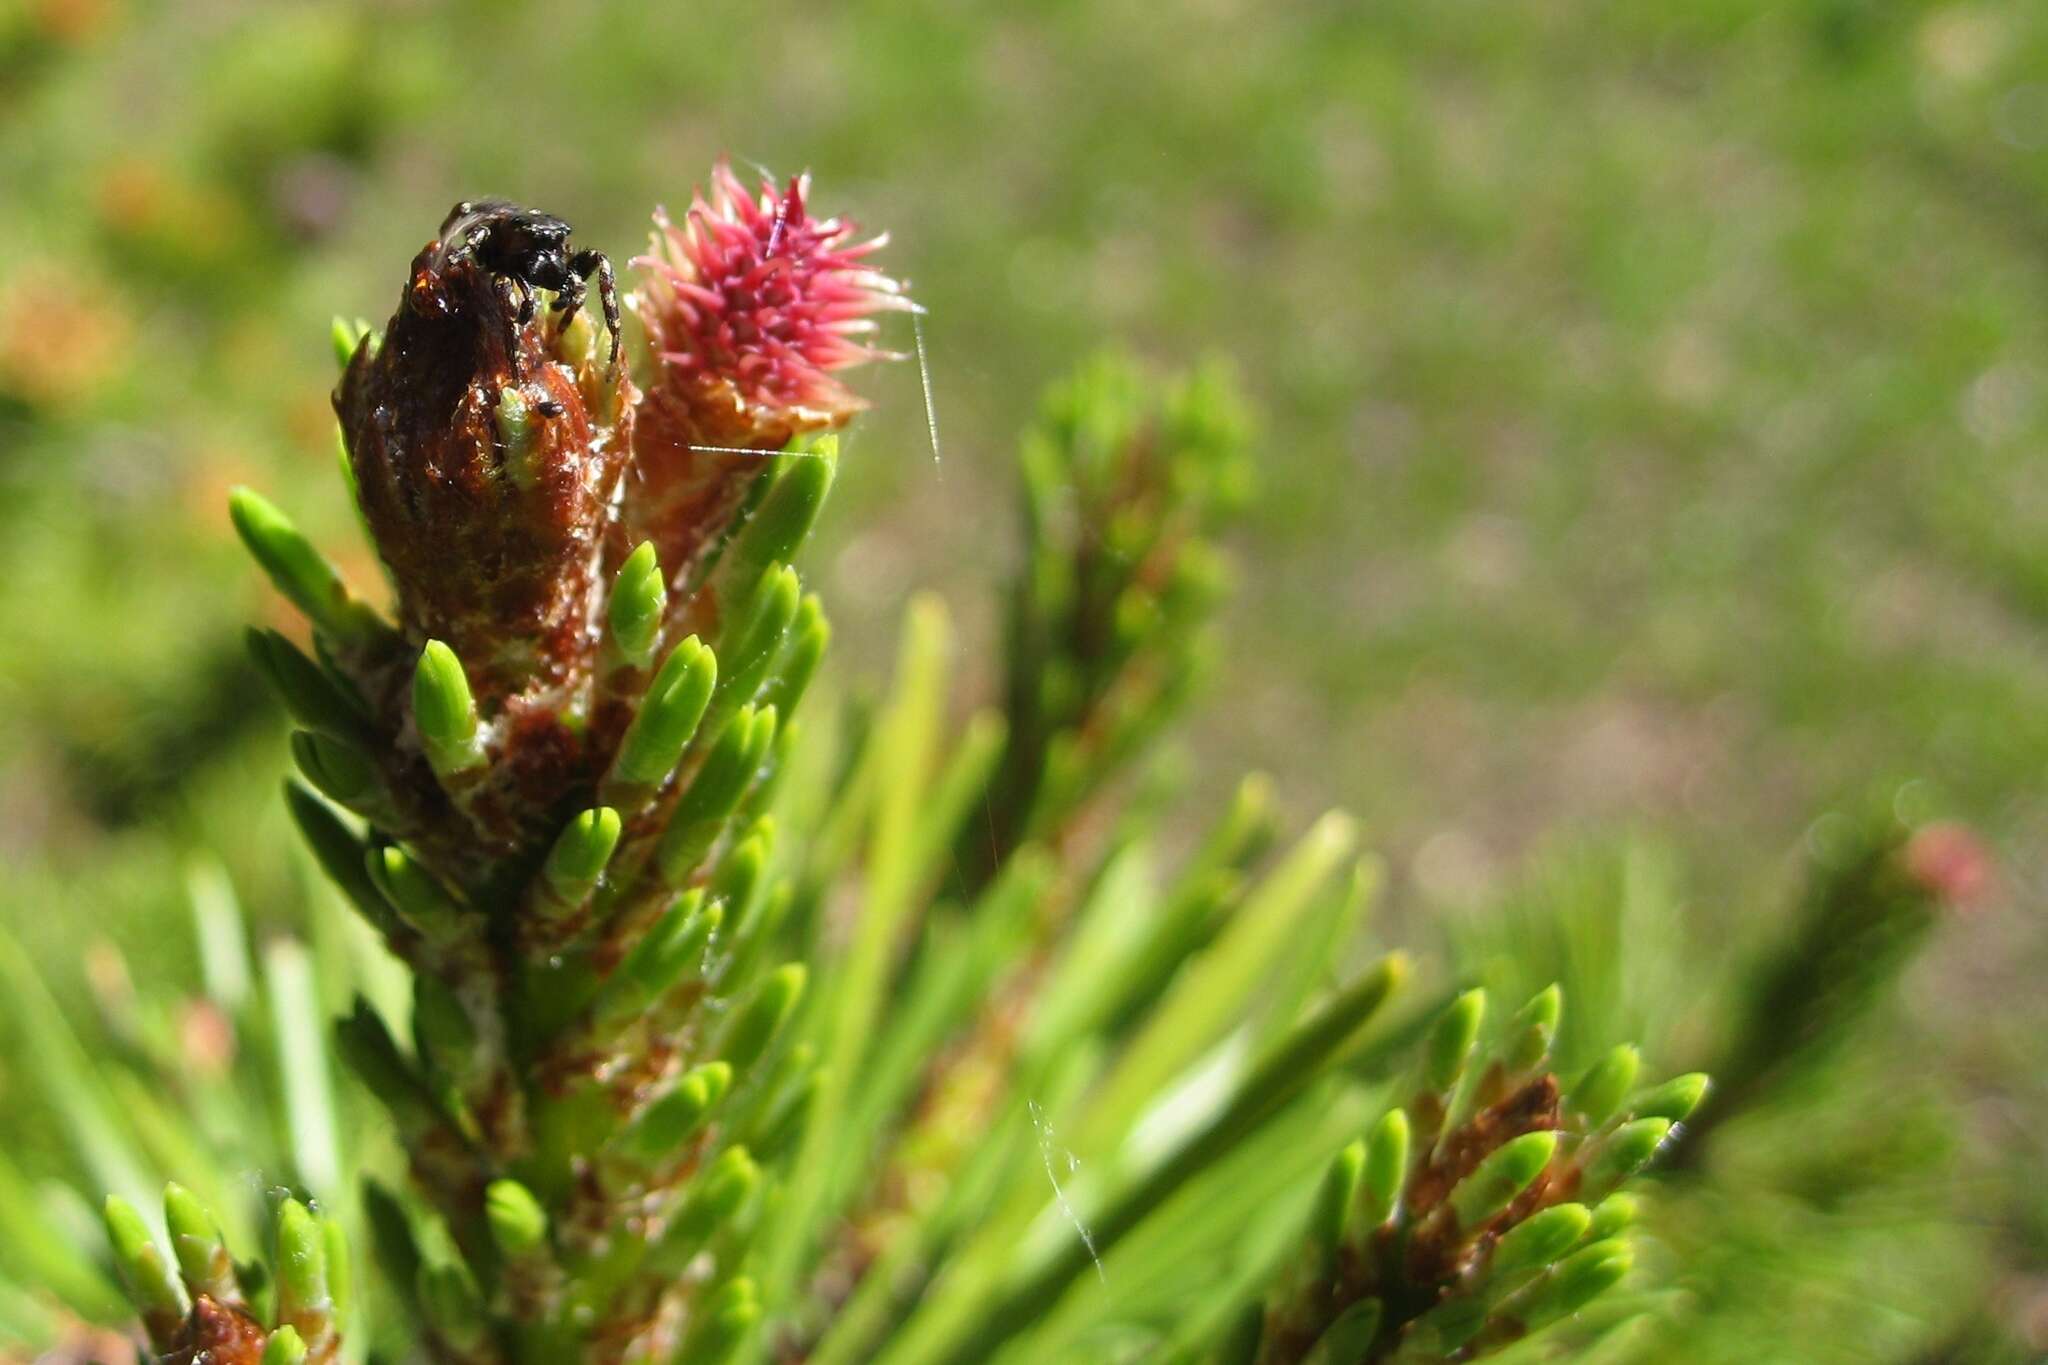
[583,264]
[568,299]
[518,312]
[473,237]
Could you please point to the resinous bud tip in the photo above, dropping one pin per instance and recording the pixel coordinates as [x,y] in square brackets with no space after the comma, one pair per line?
[156,1293]
[1541,1238]
[1386,1168]
[1450,1042]
[1675,1099]
[515,423]
[301,1264]
[668,717]
[301,572]
[1599,1093]
[580,854]
[337,769]
[1533,1028]
[1576,1281]
[672,1119]
[758,1021]
[518,1223]
[639,599]
[1629,1150]
[285,1347]
[445,712]
[197,1243]
[1509,1170]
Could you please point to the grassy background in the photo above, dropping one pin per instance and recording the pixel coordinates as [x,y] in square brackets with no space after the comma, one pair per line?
[1656,395]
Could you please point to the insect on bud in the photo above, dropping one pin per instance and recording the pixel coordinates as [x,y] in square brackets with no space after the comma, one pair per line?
[486,480]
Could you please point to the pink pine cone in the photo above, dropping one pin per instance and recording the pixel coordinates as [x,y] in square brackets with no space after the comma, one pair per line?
[1951,863]
[751,307]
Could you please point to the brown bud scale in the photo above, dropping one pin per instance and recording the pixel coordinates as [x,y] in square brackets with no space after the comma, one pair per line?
[217,1334]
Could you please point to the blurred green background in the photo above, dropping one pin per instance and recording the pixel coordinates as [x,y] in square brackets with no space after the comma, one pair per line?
[1655,401]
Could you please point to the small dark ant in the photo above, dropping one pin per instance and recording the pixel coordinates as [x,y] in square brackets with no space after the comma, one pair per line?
[528,250]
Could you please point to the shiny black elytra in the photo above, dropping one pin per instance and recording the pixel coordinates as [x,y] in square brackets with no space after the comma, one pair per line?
[528,250]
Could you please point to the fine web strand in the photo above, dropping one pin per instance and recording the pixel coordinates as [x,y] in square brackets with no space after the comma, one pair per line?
[1046,1146]
[757,454]
[924,374]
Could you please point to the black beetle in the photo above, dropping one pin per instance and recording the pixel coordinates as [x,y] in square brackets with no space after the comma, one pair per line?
[530,250]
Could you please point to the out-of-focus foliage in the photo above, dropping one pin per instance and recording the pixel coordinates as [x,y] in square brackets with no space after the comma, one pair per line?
[1841,1179]
[628,1134]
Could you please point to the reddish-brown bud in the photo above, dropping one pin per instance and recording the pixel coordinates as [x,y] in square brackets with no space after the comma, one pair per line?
[488,453]
[217,1334]
[488,432]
